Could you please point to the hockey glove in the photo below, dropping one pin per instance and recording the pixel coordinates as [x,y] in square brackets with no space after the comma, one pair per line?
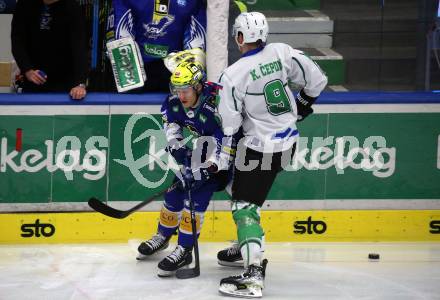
[197,178]
[304,105]
[179,152]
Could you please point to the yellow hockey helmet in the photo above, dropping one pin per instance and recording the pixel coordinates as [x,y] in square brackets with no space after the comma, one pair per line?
[176,58]
[187,74]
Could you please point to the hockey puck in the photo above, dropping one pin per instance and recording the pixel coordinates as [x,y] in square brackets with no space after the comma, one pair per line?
[373,256]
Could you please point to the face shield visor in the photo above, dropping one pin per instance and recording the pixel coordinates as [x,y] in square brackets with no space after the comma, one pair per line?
[174,88]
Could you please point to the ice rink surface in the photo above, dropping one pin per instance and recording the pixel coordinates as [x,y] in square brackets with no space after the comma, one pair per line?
[295,271]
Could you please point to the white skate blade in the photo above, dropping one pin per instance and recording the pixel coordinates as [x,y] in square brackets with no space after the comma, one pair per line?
[238,263]
[142,257]
[162,273]
[249,292]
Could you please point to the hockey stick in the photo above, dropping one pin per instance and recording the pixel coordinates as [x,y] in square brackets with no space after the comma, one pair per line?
[104,209]
[191,272]
[95,30]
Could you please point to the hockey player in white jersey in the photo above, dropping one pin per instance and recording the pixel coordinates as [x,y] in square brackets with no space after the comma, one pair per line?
[257,96]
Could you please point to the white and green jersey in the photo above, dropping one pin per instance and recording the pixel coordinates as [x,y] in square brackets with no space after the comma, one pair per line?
[257,95]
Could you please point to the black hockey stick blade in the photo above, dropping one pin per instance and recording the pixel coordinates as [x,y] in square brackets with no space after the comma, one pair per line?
[192,272]
[104,209]
[109,211]
[188,273]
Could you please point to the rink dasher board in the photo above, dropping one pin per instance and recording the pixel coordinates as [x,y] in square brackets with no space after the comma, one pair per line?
[279,226]
[51,110]
[410,129]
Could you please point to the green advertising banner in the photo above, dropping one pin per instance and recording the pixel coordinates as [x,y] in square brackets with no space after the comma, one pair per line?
[121,157]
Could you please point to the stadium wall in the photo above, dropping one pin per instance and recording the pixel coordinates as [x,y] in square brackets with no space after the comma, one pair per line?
[367,169]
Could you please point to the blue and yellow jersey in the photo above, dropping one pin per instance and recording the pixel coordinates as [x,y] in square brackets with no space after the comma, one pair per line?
[160,26]
[201,121]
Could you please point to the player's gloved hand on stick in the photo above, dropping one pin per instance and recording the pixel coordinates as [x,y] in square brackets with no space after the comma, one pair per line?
[304,105]
[194,179]
[179,152]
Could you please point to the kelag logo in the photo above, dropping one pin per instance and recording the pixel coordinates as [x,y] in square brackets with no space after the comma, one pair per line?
[435,227]
[309,226]
[37,229]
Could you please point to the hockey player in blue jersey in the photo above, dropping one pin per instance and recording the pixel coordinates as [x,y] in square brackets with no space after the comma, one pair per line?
[160,27]
[192,106]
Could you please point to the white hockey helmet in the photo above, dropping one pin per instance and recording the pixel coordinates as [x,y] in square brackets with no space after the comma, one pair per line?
[253,26]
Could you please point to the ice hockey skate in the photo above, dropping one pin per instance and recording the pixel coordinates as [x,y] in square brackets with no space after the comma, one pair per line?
[230,257]
[157,243]
[249,284]
[179,258]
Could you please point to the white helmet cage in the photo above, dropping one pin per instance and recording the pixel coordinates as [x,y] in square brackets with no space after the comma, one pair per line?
[253,26]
